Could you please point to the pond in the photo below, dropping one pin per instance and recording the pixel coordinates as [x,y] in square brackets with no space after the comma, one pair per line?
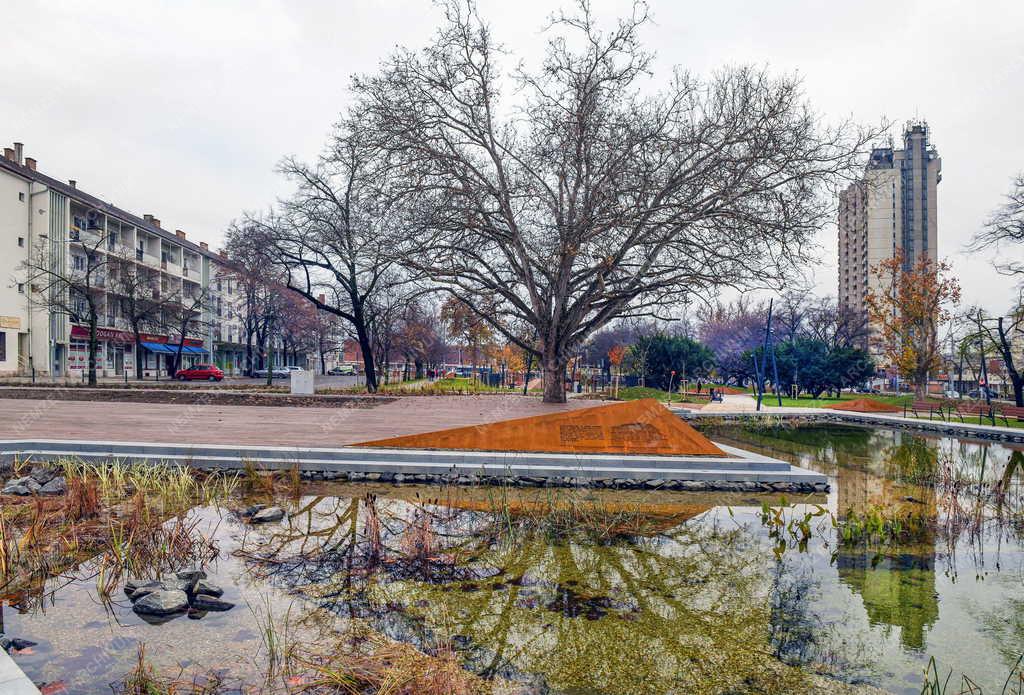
[916,553]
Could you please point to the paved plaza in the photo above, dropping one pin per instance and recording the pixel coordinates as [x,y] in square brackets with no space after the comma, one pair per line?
[265,425]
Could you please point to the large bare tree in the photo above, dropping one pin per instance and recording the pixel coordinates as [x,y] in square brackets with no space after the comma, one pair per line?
[1005,228]
[594,194]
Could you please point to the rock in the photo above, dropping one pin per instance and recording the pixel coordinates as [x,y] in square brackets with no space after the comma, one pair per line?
[5,643]
[42,474]
[57,486]
[191,576]
[204,587]
[132,585]
[162,602]
[19,644]
[205,602]
[249,511]
[269,514]
[135,589]
[21,486]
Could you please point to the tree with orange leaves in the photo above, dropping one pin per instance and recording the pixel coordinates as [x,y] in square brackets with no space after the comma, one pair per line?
[905,309]
[616,354]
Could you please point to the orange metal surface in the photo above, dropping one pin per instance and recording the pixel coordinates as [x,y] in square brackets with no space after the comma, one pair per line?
[636,427]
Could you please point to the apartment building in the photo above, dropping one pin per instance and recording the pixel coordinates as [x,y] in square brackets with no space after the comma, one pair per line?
[45,220]
[892,208]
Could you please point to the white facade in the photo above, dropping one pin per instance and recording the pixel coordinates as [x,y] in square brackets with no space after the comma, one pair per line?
[41,217]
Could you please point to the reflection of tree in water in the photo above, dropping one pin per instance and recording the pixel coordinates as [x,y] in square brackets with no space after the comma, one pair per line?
[898,588]
[684,611]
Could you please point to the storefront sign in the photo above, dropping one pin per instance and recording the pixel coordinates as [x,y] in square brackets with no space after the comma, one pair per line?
[10,322]
[115,336]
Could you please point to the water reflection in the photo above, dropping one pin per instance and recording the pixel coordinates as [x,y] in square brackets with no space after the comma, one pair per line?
[628,592]
[947,589]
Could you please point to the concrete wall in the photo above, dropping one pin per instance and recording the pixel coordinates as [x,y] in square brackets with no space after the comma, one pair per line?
[15,200]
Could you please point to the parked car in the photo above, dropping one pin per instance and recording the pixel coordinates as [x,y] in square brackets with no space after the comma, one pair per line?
[276,373]
[342,370]
[291,369]
[978,394]
[951,394]
[200,372]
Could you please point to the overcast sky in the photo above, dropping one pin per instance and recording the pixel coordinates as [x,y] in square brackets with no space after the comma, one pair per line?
[182,109]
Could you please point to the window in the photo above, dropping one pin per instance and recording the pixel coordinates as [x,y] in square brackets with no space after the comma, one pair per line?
[3,346]
[21,197]
[21,288]
[21,241]
[78,262]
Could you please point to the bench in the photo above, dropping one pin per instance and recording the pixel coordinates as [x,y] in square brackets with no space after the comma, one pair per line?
[1010,411]
[971,409]
[927,407]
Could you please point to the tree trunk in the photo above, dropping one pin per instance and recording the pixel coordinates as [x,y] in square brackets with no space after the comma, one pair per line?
[93,346]
[554,377]
[248,354]
[138,352]
[367,351]
[270,357]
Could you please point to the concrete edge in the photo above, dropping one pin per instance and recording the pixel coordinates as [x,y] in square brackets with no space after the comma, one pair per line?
[13,680]
[742,470]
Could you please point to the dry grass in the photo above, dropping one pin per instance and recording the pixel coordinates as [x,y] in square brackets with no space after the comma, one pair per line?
[115,513]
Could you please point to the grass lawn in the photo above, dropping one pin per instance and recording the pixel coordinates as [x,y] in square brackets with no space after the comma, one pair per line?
[805,401]
[633,393]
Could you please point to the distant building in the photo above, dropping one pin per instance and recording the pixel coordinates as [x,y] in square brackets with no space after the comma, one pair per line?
[72,230]
[893,208]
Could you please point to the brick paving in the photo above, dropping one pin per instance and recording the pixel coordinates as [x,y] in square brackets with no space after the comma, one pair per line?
[259,425]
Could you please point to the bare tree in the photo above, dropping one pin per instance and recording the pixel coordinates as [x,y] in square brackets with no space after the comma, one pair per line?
[330,238]
[1005,227]
[584,200]
[135,289]
[250,267]
[75,286]
[998,333]
[184,311]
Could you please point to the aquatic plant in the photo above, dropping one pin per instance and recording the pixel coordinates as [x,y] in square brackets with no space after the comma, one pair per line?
[935,684]
[143,679]
[878,524]
[82,499]
[788,528]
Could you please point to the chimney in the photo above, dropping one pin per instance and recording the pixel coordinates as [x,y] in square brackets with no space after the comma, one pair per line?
[178,233]
[322,298]
[204,246]
[30,163]
[19,149]
[9,153]
[73,183]
[152,220]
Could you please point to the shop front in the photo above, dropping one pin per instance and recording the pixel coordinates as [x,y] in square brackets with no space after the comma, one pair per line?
[115,353]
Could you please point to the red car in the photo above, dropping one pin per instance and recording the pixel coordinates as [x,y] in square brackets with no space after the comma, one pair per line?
[203,372]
